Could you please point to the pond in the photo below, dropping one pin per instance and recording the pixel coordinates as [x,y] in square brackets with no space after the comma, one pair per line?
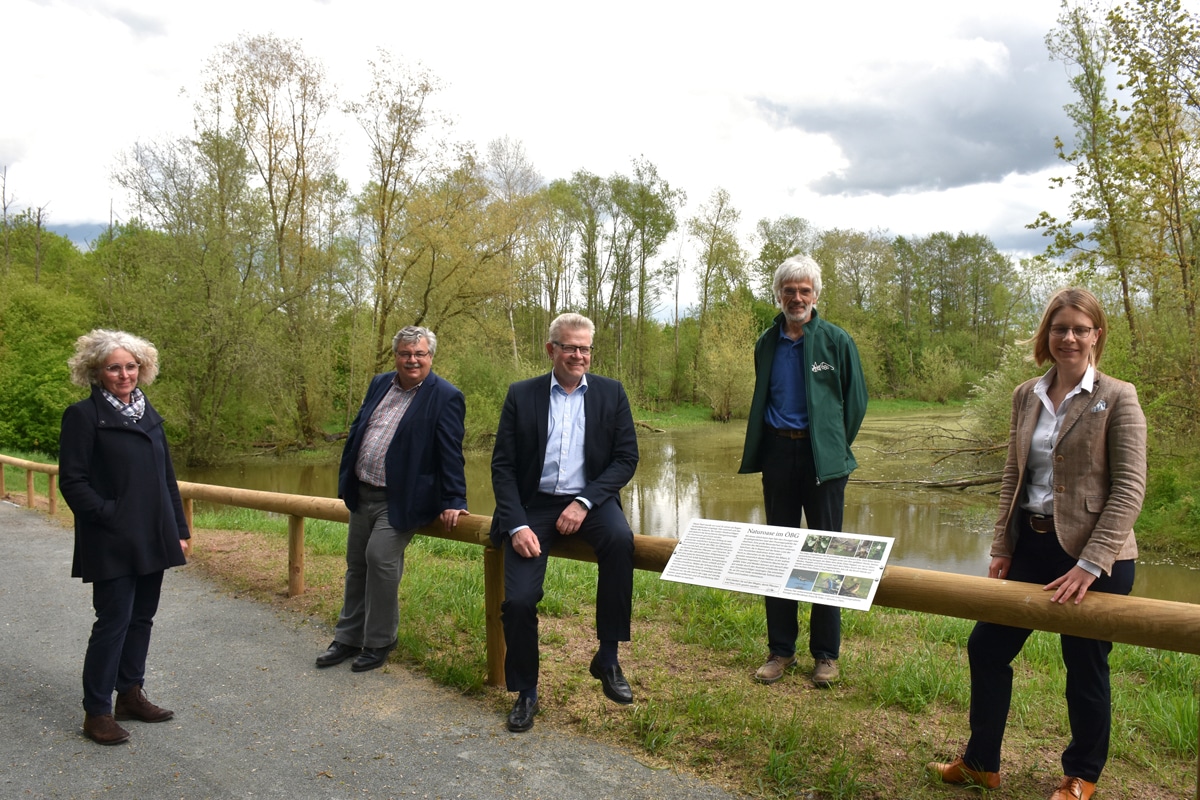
[692,472]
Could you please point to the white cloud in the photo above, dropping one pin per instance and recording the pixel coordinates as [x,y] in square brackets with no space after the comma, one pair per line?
[932,118]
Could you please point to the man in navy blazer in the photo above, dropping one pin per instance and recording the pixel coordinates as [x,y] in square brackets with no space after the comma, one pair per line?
[401,469]
[565,447]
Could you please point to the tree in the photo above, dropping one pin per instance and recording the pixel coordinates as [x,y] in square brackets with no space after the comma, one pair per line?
[513,184]
[270,97]
[404,150]
[721,266]
[648,205]
[725,375]
[1102,179]
[778,240]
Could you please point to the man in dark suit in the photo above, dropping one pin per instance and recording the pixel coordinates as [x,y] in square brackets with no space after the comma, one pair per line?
[402,468]
[565,447]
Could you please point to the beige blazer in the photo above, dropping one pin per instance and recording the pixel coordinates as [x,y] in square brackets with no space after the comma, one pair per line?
[1099,472]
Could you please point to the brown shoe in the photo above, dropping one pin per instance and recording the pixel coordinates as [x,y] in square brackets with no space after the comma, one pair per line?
[958,772]
[825,672]
[132,704]
[1073,789]
[773,669]
[103,729]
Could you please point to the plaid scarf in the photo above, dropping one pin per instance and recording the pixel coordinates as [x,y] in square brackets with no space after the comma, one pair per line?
[136,406]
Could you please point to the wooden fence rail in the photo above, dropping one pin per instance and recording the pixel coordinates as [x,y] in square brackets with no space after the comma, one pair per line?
[1159,624]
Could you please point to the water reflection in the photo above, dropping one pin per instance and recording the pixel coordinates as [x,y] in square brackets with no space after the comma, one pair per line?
[692,473]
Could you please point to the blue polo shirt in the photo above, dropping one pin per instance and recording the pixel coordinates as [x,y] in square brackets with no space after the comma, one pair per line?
[787,397]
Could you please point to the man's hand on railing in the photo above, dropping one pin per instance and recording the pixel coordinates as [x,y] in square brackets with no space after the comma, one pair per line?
[450,517]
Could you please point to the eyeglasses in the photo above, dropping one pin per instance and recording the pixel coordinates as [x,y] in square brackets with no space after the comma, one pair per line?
[419,355]
[1080,331]
[117,369]
[790,291]
[572,349]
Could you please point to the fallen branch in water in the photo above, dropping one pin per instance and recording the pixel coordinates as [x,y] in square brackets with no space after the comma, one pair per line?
[953,483]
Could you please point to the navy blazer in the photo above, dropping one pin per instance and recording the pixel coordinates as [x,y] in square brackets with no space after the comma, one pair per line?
[424,463]
[610,449]
[117,477]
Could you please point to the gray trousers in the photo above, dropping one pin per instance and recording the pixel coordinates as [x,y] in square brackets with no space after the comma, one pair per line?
[374,563]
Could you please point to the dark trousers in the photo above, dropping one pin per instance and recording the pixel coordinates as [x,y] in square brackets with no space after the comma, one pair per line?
[608,534]
[792,493]
[1039,558]
[120,640]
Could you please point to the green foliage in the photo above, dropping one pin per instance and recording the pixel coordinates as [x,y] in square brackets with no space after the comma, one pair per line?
[989,410]
[725,373]
[1169,525]
[38,328]
[939,377]
[484,381]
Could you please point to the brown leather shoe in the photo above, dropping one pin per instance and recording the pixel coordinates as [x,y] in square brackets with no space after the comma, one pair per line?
[132,704]
[1073,789]
[958,772]
[773,669]
[103,729]
[825,673]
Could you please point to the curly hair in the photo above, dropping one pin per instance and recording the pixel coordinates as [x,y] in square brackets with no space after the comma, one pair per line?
[413,334]
[94,347]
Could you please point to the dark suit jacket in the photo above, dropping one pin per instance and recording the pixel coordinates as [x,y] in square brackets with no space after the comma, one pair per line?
[1099,472]
[424,462]
[116,475]
[610,449]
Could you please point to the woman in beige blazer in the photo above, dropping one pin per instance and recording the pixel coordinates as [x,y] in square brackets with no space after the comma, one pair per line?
[1072,489]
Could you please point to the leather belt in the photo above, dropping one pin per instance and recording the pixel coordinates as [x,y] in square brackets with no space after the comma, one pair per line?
[789,433]
[1039,523]
[368,490]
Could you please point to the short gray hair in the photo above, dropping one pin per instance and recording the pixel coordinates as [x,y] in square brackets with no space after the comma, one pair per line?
[572,322]
[796,268]
[94,347]
[412,334]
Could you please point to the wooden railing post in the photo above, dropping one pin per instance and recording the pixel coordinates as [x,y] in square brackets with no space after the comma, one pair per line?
[295,555]
[52,501]
[493,597]
[29,488]
[189,511]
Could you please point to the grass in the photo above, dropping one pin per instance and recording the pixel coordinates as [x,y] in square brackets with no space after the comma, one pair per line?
[902,701]
[685,415]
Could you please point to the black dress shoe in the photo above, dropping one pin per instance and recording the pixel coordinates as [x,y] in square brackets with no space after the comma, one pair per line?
[336,654]
[371,657]
[616,688]
[520,719]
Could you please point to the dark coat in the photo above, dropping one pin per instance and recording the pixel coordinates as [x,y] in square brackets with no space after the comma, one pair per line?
[424,463]
[610,450]
[116,475]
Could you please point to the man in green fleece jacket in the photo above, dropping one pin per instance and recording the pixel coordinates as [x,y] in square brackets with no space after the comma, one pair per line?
[809,401]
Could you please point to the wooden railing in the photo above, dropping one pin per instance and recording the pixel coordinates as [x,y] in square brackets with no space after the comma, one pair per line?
[32,467]
[1159,624]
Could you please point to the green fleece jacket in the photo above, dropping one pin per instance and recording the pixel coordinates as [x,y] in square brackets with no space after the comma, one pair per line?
[836,391]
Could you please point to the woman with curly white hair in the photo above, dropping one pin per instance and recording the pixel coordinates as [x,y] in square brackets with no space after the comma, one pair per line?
[116,474]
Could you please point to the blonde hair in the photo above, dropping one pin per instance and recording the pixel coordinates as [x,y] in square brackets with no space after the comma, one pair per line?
[94,347]
[1081,300]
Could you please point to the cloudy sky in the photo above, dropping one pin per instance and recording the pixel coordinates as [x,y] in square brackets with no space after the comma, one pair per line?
[864,114]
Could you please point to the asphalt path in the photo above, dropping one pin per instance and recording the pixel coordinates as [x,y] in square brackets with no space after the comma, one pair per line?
[254,718]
